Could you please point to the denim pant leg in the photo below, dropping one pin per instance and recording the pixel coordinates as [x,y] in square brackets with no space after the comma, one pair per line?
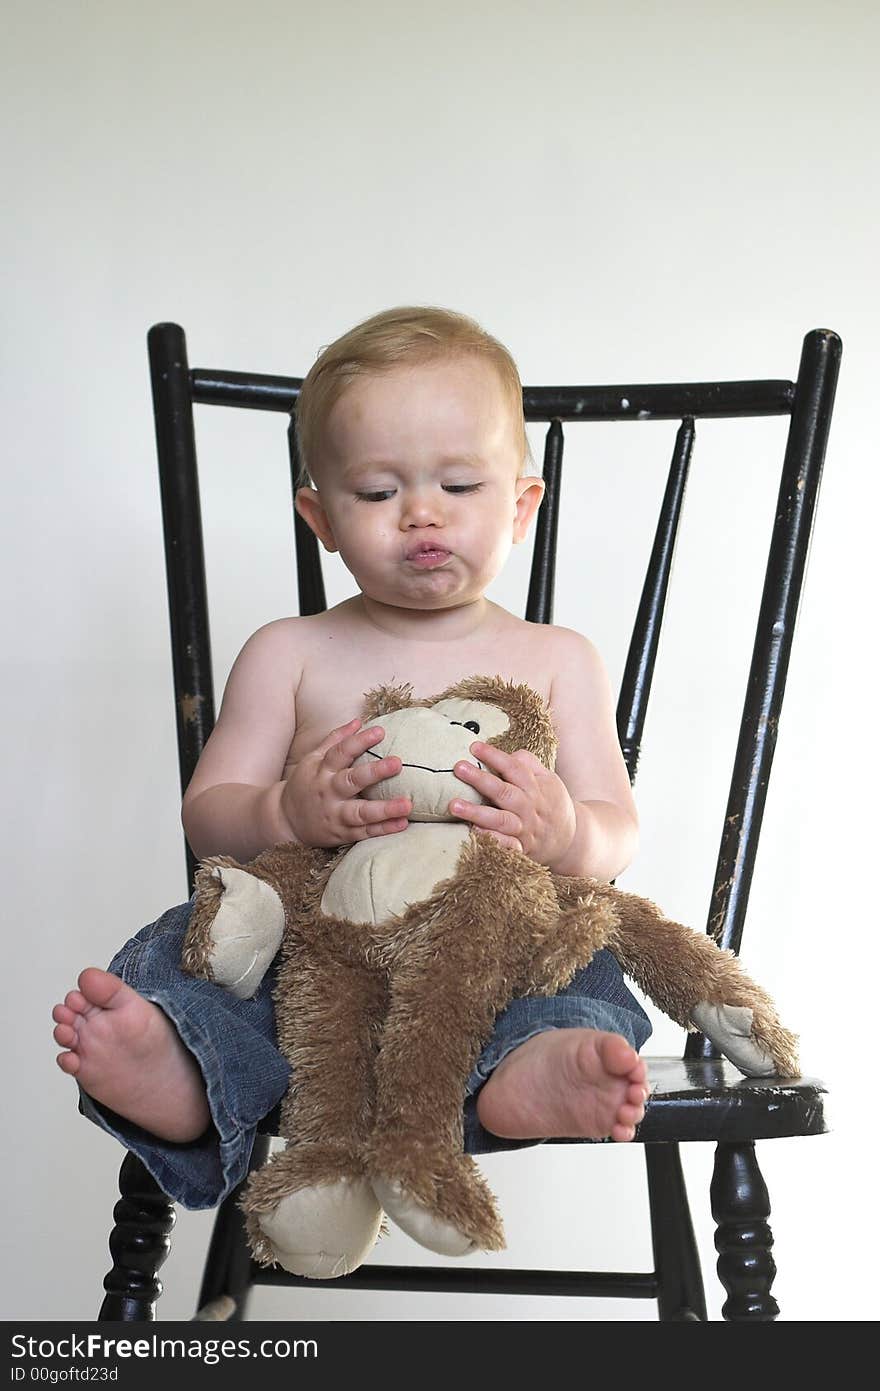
[246,1077]
[233,1042]
[596,998]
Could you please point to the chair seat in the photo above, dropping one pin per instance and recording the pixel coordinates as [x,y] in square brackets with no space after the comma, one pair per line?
[710,1099]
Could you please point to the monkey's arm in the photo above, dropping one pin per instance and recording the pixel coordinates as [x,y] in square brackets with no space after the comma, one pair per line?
[690,978]
[239,914]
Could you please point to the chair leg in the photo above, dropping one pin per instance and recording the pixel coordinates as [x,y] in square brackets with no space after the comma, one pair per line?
[227,1280]
[139,1243]
[740,1204]
[680,1297]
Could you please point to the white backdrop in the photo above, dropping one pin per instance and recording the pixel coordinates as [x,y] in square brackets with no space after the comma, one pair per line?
[619,192]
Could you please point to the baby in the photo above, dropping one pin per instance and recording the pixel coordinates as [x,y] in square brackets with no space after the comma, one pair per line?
[414,452]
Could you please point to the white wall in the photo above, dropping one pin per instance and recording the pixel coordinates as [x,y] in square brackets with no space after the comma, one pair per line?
[620,192]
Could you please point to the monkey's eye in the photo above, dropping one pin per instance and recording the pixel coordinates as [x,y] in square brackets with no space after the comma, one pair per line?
[468,724]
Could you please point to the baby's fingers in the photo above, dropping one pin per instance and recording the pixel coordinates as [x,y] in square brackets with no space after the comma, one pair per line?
[336,735]
[364,774]
[503,824]
[386,828]
[509,842]
[341,752]
[377,818]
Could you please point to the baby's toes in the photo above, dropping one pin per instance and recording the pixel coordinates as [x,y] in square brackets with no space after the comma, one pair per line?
[637,1093]
[65,1035]
[62,1015]
[639,1073]
[69,1063]
[630,1115]
[623,1133]
[97,987]
[76,1002]
[618,1057]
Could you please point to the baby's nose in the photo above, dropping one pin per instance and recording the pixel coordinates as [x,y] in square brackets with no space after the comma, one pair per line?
[422,509]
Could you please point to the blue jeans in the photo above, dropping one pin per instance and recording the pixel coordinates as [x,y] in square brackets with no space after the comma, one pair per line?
[246,1077]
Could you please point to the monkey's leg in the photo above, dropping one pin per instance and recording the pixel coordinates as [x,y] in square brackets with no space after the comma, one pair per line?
[312,1208]
[462,950]
[420,1174]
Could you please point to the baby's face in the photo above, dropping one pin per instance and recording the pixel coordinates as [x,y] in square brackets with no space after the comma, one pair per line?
[418,483]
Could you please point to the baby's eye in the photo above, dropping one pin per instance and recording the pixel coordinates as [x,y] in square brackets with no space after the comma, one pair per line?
[381,496]
[462,487]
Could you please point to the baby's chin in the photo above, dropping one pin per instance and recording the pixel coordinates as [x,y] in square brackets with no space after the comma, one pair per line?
[440,588]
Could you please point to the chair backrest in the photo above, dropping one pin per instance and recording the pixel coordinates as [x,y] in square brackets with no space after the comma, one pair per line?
[808,401]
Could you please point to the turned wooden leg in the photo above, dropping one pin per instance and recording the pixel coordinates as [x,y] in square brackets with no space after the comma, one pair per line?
[139,1243]
[740,1205]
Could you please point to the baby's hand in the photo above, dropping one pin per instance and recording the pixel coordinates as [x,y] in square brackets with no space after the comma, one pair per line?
[320,798]
[533,810]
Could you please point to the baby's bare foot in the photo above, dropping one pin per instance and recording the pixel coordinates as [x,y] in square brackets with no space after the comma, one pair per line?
[575,1083]
[125,1052]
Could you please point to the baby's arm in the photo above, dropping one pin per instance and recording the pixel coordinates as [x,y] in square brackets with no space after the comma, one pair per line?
[580,819]
[237,802]
[590,762]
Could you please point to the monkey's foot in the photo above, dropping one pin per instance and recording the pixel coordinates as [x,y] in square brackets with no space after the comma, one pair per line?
[423,1226]
[321,1230]
[756,1047]
[449,1209]
[325,1231]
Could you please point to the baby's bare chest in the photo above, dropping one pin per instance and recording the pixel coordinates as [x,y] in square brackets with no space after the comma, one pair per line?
[336,675]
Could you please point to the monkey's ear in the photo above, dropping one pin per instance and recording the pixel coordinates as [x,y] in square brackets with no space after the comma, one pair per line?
[530,726]
[383,699]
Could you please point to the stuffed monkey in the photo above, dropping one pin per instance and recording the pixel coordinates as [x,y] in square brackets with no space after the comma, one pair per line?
[396,955]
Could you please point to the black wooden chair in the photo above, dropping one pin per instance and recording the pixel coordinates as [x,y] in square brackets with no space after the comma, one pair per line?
[695,1098]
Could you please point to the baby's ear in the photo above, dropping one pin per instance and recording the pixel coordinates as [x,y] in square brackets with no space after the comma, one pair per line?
[529,495]
[307,503]
[383,699]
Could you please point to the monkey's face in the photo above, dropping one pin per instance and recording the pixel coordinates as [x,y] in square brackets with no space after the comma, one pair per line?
[429,741]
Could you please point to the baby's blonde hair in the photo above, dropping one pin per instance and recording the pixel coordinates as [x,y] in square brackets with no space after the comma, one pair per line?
[407,335]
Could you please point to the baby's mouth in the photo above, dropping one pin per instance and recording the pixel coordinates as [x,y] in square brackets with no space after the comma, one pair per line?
[426,556]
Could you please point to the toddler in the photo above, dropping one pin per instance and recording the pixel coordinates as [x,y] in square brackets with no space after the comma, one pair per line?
[414,456]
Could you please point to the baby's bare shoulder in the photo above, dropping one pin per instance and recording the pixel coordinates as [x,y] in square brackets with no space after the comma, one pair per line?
[557,648]
[578,677]
[278,656]
[568,644]
[271,661]
[284,638]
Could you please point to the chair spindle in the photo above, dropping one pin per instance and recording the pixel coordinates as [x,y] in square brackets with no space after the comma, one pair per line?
[786,563]
[184,550]
[539,604]
[635,688]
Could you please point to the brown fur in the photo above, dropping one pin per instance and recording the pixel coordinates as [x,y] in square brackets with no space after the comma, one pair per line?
[383,1023]
[530,724]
